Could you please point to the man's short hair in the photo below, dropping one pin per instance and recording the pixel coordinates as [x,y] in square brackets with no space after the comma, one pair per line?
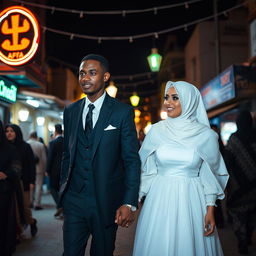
[58,128]
[33,135]
[104,62]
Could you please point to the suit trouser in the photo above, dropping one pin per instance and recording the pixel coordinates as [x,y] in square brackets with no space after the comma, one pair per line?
[55,196]
[81,219]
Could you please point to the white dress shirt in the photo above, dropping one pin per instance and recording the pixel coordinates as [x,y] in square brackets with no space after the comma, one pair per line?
[96,111]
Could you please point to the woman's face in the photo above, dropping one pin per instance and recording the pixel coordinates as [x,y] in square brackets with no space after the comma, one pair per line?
[172,103]
[10,134]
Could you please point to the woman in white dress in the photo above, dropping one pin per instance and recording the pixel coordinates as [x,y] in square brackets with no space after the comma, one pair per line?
[183,173]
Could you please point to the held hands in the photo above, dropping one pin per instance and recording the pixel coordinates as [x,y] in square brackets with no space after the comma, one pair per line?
[209,221]
[124,216]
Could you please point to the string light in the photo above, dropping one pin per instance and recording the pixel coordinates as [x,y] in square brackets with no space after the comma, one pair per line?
[139,36]
[117,12]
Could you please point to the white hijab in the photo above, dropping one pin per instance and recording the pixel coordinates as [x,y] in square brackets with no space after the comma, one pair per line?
[192,130]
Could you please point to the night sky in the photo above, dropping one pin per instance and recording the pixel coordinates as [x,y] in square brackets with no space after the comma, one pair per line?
[125,58]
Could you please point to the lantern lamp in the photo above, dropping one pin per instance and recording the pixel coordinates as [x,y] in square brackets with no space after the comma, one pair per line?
[154,60]
[112,89]
[135,99]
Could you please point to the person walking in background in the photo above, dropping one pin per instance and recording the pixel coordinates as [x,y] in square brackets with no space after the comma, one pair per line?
[219,216]
[241,190]
[26,158]
[141,137]
[56,147]
[183,173]
[10,193]
[100,173]
[40,160]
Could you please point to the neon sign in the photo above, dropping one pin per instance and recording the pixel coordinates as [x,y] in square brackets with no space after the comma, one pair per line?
[19,35]
[8,93]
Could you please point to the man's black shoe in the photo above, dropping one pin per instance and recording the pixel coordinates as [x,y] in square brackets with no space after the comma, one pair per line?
[33,228]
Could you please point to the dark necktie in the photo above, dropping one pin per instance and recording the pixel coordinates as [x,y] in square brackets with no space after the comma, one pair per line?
[88,121]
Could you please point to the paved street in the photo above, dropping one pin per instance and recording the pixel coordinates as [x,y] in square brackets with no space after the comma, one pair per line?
[48,241]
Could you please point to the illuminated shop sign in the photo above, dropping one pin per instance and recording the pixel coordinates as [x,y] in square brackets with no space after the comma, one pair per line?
[219,90]
[19,35]
[8,91]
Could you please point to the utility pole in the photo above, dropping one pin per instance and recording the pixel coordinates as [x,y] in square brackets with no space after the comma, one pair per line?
[217,37]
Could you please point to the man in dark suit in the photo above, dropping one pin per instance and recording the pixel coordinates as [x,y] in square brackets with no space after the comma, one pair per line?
[100,173]
[53,168]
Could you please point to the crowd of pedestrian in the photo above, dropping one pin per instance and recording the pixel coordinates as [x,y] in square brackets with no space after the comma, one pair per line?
[23,168]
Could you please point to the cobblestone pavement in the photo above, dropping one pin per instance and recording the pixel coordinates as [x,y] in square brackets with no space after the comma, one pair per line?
[48,241]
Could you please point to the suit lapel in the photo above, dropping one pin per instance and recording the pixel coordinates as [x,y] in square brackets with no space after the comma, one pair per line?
[74,132]
[104,116]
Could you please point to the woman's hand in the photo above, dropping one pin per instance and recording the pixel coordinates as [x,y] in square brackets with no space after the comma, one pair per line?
[209,221]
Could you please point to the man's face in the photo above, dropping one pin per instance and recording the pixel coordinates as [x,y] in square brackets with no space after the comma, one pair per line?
[92,78]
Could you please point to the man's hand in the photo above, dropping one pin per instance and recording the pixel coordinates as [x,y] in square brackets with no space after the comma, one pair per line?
[124,216]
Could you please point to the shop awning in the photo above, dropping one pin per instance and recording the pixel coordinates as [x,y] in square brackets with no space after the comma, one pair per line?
[221,110]
[49,104]
[29,76]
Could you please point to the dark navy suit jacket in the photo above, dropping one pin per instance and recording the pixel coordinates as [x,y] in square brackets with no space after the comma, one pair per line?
[115,160]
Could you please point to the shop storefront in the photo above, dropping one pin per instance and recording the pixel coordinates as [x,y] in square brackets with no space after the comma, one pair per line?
[8,96]
[37,112]
[226,94]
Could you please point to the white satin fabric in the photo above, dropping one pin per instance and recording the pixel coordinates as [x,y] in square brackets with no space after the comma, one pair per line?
[182,172]
[171,222]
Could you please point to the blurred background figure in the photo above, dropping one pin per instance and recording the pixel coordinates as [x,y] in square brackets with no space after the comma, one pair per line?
[10,193]
[26,157]
[46,185]
[141,136]
[40,161]
[219,216]
[241,196]
[54,165]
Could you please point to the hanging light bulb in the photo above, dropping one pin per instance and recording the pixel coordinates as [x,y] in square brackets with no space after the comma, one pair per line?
[23,114]
[154,60]
[135,99]
[112,89]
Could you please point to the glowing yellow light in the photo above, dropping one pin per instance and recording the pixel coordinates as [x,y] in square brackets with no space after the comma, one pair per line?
[135,99]
[137,113]
[112,89]
[148,127]
[136,119]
